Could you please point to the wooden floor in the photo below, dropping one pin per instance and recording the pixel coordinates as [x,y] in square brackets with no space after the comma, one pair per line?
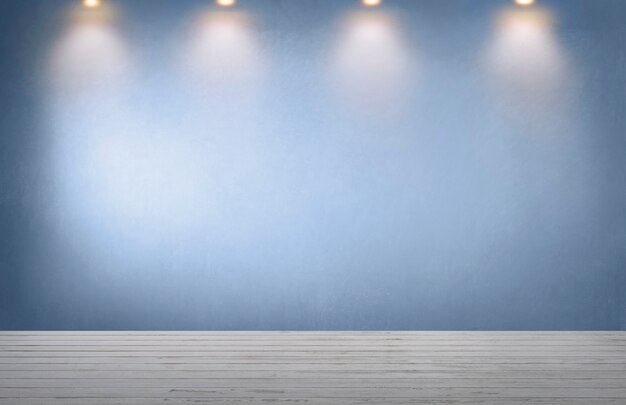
[139,368]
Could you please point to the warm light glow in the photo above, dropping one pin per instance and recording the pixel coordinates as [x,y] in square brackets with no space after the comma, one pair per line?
[372,3]
[226,3]
[525,61]
[525,48]
[524,2]
[90,54]
[372,64]
[223,50]
[91,3]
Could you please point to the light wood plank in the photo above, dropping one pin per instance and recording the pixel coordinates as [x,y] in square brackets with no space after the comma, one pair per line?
[415,392]
[408,382]
[190,347]
[364,372]
[311,366]
[113,352]
[343,368]
[271,358]
[308,401]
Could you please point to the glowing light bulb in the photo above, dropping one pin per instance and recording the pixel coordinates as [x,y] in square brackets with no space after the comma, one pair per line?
[91,3]
[226,3]
[372,3]
[525,2]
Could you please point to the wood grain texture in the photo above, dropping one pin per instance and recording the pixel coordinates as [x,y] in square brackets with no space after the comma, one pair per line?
[343,368]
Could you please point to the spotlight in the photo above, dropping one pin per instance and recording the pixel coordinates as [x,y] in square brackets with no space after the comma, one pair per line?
[91,3]
[226,3]
[525,2]
[371,3]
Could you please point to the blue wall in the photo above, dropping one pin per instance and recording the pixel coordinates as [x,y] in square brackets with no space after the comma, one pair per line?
[452,164]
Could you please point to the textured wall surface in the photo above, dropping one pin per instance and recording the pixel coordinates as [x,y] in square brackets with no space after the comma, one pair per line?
[310,164]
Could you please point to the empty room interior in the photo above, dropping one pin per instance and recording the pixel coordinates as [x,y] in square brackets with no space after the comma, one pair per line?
[315,202]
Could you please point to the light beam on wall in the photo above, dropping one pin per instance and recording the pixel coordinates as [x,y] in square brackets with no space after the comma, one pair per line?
[525,3]
[226,3]
[371,3]
[372,66]
[525,60]
[90,74]
[122,168]
[223,49]
[90,53]
[91,3]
